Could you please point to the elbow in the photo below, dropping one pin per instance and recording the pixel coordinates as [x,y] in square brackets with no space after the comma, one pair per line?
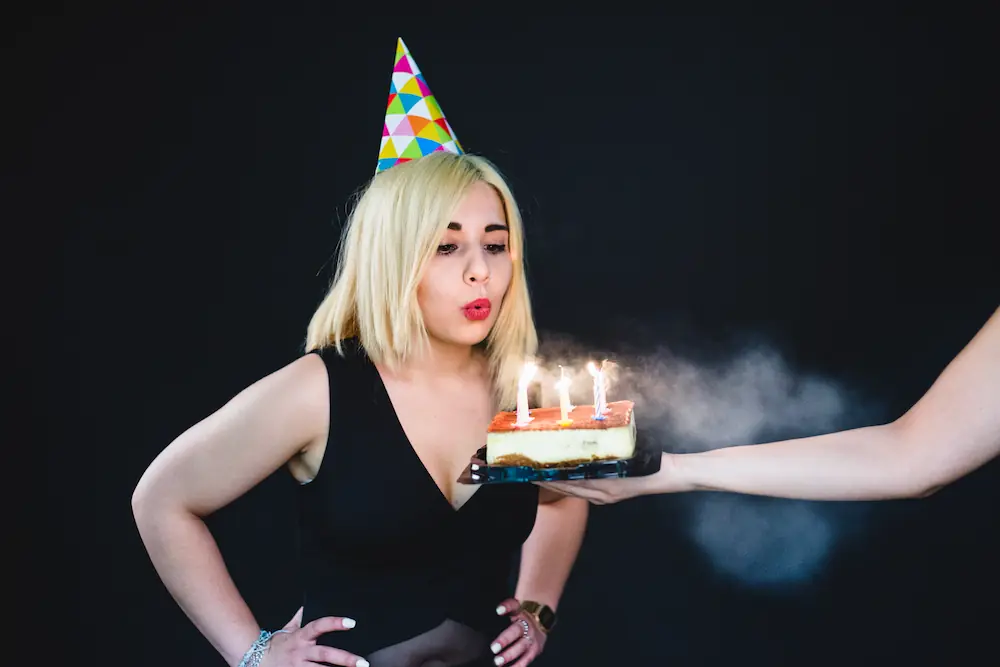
[925,487]
[148,501]
[929,491]
[141,501]
[920,470]
[918,491]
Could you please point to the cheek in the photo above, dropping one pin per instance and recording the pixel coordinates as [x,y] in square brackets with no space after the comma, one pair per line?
[501,273]
[432,292]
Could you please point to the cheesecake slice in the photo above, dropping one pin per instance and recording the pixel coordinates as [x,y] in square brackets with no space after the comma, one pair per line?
[546,442]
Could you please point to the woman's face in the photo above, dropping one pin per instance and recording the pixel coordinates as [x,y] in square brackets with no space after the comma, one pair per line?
[465,282]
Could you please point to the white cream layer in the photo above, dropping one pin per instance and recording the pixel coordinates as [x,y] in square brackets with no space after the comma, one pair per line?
[563,444]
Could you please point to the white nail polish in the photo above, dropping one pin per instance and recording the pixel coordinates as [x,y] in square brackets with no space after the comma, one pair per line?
[495,647]
[475,466]
[501,610]
[362,663]
[349,623]
[498,660]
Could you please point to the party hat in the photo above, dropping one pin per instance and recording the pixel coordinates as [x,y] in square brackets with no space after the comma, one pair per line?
[414,123]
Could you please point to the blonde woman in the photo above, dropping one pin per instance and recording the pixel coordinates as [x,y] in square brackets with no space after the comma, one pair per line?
[950,432]
[417,344]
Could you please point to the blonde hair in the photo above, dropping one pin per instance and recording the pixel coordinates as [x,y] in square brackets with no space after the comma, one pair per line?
[392,232]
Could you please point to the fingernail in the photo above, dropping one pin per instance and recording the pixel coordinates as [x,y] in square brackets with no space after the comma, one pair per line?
[475,466]
[362,662]
[495,647]
[501,610]
[350,623]
[498,660]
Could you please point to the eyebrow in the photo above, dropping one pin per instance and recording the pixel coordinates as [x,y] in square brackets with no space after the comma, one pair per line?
[492,227]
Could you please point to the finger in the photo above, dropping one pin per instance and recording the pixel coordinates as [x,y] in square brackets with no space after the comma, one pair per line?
[508,606]
[513,652]
[507,637]
[296,621]
[529,656]
[327,624]
[334,656]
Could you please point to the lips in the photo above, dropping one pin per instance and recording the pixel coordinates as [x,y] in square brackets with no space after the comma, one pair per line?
[477,310]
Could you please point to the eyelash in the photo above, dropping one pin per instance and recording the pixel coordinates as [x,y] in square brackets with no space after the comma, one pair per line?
[492,248]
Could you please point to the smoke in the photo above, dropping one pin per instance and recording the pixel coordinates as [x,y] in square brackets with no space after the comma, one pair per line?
[749,397]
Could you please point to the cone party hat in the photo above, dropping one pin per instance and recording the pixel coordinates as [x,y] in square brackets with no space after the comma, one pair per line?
[414,125]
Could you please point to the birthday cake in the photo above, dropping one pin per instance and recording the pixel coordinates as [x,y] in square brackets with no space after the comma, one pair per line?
[547,441]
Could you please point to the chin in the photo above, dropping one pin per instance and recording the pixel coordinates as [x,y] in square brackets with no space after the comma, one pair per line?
[474,336]
[469,334]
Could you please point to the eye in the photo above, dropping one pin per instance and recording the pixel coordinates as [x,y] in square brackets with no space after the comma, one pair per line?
[446,248]
[496,248]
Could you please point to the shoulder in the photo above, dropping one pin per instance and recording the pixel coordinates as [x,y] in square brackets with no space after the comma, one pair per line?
[338,362]
[347,351]
[296,391]
[328,374]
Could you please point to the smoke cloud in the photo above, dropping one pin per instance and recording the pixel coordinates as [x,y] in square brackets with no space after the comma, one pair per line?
[749,397]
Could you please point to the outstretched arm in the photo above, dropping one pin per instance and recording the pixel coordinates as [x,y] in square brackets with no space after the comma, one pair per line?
[952,430]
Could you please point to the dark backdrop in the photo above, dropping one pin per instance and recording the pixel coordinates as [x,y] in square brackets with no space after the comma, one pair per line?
[819,182]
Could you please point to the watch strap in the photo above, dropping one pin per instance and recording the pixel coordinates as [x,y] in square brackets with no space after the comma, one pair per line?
[542,613]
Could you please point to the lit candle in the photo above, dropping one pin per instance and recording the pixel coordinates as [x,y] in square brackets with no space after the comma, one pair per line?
[600,390]
[564,407]
[522,393]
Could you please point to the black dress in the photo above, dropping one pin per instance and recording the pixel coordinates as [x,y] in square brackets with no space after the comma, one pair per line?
[381,544]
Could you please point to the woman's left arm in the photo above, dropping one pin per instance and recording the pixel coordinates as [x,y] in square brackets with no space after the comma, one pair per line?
[546,560]
[550,551]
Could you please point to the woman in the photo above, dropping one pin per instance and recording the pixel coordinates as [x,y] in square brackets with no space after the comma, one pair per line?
[950,432]
[415,347]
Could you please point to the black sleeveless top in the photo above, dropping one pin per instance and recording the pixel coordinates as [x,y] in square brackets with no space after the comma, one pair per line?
[381,544]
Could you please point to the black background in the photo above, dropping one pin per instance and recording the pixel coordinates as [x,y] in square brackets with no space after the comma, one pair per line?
[822,182]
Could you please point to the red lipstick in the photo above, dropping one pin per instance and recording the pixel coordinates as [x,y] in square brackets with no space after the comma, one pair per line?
[477,310]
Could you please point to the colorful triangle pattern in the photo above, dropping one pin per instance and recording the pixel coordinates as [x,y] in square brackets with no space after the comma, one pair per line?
[414,124]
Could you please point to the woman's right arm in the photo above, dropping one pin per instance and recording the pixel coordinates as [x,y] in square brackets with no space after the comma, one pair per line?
[210,465]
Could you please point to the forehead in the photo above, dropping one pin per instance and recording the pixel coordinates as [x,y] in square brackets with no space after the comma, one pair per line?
[480,205]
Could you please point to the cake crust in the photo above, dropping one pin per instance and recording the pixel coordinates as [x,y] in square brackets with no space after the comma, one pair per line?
[547,419]
[521,460]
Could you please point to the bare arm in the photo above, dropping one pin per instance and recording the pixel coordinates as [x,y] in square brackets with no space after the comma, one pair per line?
[210,465]
[550,551]
[952,430]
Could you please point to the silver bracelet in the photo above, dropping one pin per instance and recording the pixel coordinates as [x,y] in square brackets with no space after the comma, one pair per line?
[254,655]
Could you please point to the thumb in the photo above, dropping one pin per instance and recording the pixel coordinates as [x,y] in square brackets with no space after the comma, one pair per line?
[296,621]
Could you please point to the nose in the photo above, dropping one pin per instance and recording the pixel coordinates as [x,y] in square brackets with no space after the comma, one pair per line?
[477,270]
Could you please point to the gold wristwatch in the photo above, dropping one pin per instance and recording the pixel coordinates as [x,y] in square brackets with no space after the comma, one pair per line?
[542,613]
